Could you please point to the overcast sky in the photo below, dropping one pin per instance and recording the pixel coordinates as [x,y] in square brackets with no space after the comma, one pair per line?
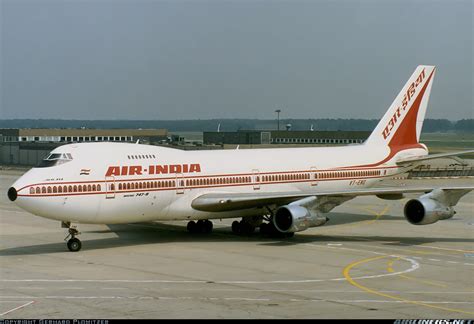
[137,59]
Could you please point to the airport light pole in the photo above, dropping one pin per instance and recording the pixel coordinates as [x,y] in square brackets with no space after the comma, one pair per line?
[278,111]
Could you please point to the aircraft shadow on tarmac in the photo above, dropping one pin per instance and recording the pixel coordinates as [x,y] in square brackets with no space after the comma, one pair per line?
[156,233]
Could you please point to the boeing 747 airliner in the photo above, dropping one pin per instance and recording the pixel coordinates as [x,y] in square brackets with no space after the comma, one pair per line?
[281,191]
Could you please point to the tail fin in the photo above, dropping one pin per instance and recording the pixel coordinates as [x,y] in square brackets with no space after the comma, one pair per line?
[401,125]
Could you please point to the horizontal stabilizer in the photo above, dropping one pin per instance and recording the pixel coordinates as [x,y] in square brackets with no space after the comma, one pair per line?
[414,159]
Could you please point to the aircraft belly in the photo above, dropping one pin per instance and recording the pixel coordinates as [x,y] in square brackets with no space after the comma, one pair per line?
[134,207]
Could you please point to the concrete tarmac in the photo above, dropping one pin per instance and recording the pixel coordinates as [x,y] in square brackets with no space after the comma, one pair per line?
[366,262]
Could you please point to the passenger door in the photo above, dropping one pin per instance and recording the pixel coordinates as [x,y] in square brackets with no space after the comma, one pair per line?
[110,187]
[256,179]
[180,183]
[314,176]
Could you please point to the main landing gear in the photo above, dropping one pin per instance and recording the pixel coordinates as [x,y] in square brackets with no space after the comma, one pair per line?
[73,244]
[242,228]
[248,225]
[201,226]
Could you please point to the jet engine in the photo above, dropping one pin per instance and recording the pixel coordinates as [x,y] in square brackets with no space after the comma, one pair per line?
[427,209]
[295,218]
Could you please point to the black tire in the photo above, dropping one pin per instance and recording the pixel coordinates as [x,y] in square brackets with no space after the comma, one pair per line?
[74,245]
[246,228]
[271,229]
[236,228]
[208,226]
[290,234]
[192,227]
[264,229]
[201,226]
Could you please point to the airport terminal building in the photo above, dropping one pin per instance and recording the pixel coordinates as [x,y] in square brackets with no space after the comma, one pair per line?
[67,135]
[29,146]
[285,137]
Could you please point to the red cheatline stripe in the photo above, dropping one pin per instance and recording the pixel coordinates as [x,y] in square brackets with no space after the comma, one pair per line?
[317,171]
[117,191]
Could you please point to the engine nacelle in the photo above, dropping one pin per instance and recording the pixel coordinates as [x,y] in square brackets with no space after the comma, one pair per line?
[424,211]
[294,218]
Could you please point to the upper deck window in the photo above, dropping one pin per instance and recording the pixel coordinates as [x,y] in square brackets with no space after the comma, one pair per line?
[55,159]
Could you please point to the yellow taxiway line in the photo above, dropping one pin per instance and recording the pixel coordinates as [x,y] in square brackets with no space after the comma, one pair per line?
[346,273]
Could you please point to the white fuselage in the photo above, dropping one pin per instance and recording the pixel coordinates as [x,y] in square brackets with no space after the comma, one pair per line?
[108,183]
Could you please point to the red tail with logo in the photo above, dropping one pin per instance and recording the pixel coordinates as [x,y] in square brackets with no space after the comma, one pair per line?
[400,127]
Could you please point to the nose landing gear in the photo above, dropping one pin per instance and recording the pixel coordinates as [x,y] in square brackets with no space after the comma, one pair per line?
[73,244]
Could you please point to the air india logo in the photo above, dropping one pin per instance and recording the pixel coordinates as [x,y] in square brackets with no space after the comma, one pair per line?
[397,116]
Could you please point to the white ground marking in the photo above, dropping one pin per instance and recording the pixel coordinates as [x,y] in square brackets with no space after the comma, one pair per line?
[290,290]
[439,248]
[414,266]
[105,288]
[235,299]
[16,308]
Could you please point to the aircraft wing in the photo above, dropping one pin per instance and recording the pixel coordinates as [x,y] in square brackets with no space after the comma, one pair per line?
[220,202]
[414,159]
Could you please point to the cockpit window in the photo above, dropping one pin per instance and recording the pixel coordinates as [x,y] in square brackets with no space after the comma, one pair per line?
[55,159]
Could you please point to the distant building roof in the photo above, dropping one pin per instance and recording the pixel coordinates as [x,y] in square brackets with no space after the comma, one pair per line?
[89,132]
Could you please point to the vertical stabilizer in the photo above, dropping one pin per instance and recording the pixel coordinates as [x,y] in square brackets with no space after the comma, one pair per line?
[401,125]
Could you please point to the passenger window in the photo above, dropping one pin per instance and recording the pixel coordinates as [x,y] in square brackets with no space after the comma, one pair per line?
[38,190]
[32,190]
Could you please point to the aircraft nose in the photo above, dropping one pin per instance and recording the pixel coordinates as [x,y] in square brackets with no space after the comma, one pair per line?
[12,194]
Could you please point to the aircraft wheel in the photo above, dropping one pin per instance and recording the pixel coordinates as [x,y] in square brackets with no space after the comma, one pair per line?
[264,229]
[201,226]
[74,244]
[192,227]
[246,228]
[208,226]
[236,228]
